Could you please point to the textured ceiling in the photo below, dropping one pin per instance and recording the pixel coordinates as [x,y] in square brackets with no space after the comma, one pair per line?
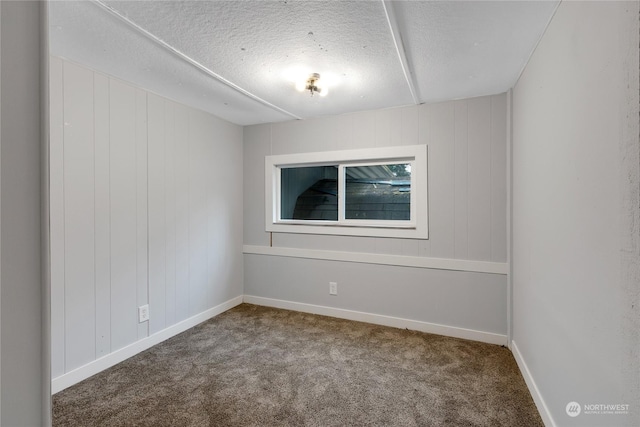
[239,59]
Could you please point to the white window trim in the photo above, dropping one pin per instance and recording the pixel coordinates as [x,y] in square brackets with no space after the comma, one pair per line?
[416,228]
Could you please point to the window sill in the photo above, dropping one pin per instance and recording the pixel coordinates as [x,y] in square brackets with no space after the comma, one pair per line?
[395,231]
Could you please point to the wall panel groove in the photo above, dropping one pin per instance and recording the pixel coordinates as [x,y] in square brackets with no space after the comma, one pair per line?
[79,226]
[102,216]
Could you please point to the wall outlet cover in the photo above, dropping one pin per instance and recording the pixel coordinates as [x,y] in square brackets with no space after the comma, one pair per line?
[143,313]
[333,288]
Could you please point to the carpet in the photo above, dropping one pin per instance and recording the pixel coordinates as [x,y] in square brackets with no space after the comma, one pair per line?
[259,366]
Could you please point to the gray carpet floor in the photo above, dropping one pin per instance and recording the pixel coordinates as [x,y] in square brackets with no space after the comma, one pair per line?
[258,366]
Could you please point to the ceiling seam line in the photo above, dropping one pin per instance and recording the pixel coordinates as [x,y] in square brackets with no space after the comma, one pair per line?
[397,42]
[190,60]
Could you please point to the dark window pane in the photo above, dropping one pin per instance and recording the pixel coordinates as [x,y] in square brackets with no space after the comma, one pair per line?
[309,193]
[381,192]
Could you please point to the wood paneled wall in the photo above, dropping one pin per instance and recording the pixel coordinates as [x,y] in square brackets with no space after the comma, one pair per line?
[145,202]
[467,174]
[467,194]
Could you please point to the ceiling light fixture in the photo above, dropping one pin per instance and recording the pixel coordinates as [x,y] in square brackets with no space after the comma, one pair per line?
[313,85]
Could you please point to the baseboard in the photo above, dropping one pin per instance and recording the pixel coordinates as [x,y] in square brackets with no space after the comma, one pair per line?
[98,365]
[377,319]
[92,368]
[545,414]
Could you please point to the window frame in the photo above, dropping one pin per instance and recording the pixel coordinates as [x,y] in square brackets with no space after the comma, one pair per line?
[385,223]
[414,228]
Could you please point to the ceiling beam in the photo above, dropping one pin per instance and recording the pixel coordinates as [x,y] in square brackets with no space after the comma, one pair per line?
[402,56]
[190,60]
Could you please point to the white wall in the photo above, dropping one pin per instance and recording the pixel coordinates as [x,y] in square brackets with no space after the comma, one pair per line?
[145,209]
[23,359]
[576,245]
[467,217]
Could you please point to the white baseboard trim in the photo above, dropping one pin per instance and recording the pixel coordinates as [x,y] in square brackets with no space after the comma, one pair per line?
[377,319]
[383,259]
[545,414]
[113,358]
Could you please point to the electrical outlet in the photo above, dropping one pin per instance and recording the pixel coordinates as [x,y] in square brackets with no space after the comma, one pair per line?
[333,288]
[143,313]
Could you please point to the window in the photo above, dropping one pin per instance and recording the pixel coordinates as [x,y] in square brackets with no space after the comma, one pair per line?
[375,192]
